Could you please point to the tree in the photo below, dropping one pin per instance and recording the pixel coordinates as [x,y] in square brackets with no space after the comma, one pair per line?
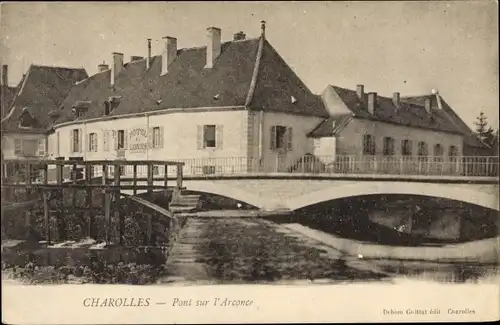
[484,131]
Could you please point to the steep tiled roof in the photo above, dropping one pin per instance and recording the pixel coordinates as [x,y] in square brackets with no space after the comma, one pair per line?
[411,112]
[277,83]
[42,89]
[246,73]
[7,95]
[470,137]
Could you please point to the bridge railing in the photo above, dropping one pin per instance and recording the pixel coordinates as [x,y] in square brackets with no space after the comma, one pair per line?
[309,164]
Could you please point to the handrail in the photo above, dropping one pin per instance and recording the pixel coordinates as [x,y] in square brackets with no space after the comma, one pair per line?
[92,162]
[475,166]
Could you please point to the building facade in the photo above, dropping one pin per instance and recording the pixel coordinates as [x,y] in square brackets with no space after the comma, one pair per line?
[232,106]
[236,102]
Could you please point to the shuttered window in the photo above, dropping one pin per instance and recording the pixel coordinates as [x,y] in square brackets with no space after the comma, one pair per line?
[105,140]
[18,146]
[209,136]
[120,139]
[76,140]
[157,134]
[422,149]
[453,153]
[281,137]
[406,148]
[41,147]
[92,142]
[388,146]
[368,144]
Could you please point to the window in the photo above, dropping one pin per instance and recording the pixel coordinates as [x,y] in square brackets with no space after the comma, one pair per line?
[121,139]
[209,136]
[29,147]
[368,145]
[75,146]
[453,153]
[388,146]
[438,152]
[156,170]
[281,137]
[406,148]
[156,137]
[93,142]
[41,147]
[422,149]
[18,146]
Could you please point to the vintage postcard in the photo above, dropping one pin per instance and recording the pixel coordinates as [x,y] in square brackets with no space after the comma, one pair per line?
[250,162]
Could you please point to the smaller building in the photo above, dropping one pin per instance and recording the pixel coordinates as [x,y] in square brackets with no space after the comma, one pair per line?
[30,115]
[416,134]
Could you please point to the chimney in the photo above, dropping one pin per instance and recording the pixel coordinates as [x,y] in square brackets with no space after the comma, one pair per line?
[5,75]
[117,66]
[169,53]
[213,46]
[102,67]
[360,91]
[135,58]
[372,100]
[396,99]
[263,28]
[148,60]
[239,36]
[428,106]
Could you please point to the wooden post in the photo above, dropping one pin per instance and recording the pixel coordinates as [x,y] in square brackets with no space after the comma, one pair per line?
[28,181]
[150,180]
[74,191]
[45,174]
[28,224]
[134,181]
[88,201]
[60,224]
[179,176]
[150,229]
[46,216]
[107,215]
[165,180]
[117,205]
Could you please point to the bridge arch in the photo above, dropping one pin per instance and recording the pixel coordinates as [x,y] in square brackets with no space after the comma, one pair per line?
[459,193]
[236,192]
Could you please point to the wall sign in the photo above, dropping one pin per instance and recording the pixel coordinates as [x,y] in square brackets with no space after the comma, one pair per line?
[138,139]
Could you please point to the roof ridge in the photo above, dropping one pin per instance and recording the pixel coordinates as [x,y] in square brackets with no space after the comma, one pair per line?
[222,43]
[55,67]
[414,96]
[255,73]
[18,92]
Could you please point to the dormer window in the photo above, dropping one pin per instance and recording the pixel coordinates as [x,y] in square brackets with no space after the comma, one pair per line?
[80,108]
[26,120]
[111,104]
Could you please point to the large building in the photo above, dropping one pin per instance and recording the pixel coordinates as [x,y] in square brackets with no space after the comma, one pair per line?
[234,104]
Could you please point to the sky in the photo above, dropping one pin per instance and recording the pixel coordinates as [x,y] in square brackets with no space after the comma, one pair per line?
[407,47]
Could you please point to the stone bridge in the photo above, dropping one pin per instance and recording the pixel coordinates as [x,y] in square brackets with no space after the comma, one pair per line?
[272,192]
